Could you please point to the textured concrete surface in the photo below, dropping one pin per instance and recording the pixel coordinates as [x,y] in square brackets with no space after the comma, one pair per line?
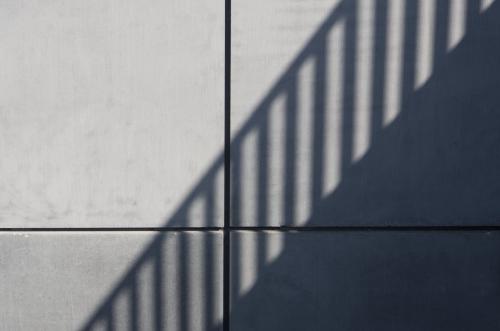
[261,55]
[263,48]
[365,113]
[376,280]
[109,110]
[74,281]
[351,113]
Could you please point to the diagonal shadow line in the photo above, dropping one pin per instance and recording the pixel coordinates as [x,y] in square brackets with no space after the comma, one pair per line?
[206,186]
[421,106]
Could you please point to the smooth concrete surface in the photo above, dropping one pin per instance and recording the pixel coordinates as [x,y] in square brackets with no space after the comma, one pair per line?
[110,110]
[263,48]
[386,115]
[372,280]
[375,113]
[110,281]
[262,51]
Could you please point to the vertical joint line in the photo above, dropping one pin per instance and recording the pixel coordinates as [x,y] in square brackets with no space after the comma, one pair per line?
[227,165]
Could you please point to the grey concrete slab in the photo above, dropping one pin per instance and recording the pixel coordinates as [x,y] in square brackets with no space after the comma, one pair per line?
[110,280]
[110,110]
[374,280]
[365,113]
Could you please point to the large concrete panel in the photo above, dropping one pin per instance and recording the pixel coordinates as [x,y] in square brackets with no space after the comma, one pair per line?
[110,281]
[376,112]
[110,110]
[375,280]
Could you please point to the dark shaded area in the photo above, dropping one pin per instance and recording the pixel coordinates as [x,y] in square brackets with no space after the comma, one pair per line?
[378,280]
[435,165]
[438,163]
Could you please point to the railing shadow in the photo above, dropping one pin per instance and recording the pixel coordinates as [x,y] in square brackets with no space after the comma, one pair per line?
[366,127]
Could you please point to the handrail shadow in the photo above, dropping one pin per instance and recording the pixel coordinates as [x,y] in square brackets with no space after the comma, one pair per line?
[412,160]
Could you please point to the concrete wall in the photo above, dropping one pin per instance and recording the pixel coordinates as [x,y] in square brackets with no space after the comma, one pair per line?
[359,280]
[387,115]
[56,280]
[364,159]
[361,155]
[109,109]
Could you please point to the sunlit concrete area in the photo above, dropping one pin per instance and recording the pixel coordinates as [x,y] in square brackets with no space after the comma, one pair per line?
[56,280]
[109,110]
